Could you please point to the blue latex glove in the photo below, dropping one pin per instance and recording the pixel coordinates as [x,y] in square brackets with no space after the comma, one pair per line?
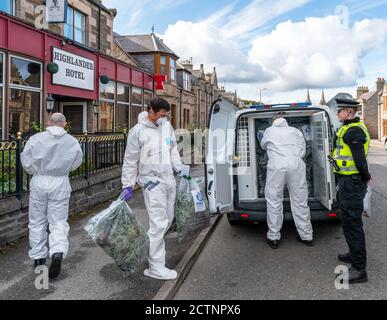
[127,194]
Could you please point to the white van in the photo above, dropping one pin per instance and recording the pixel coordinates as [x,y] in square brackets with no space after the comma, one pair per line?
[236,165]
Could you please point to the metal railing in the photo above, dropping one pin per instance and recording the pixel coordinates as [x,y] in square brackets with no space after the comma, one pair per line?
[101,152]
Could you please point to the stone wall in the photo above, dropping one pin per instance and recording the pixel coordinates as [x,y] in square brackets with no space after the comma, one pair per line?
[86,193]
[370,115]
[28,10]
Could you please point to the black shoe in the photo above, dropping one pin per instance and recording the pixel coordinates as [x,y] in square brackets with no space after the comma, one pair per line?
[39,262]
[309,243]
[355,276]
[273,243]
[346,258]
[56,264]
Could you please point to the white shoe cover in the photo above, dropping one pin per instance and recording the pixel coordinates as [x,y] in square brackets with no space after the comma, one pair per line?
[161,274]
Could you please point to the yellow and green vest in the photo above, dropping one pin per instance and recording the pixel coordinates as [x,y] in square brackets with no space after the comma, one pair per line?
[342,153]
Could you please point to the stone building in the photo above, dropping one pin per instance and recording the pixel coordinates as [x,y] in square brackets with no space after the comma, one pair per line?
[88,102]
[190,92]
[371,112]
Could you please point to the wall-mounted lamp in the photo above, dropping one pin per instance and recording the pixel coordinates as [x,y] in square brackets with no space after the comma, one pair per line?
[50,103]
[104,79]
[96,106]
[52,68]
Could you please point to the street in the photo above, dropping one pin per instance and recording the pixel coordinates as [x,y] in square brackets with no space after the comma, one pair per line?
[238,264]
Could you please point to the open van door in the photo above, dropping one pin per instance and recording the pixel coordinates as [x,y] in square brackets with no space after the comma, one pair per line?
[219,156]
[324,183]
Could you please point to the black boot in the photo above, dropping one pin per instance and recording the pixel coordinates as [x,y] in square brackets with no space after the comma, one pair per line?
[56,264]
[309,243]
[356,276]
[273,243]
[39,262]
[346,258]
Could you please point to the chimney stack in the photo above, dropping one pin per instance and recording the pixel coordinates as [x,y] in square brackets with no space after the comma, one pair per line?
[380,85]
[362,90]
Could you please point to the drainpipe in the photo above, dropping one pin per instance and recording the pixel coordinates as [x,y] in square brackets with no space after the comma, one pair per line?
[181,104]
[99,28]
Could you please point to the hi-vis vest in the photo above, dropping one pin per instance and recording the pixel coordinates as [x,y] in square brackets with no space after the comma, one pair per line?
[342,153]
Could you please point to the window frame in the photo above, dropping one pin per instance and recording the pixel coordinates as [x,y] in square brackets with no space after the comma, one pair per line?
[127,104]
[142,97]
[13,8]
[112,101]
[74,27]
[11,86]
[17,86]
[172,68]
[163,65]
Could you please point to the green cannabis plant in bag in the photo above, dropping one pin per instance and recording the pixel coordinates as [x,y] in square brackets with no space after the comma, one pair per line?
[117,232]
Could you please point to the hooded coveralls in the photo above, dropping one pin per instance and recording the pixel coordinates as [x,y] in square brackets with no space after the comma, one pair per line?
[286,148]
[50,156]
[151,157]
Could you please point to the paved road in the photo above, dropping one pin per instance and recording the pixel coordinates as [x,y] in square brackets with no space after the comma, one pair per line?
[237,263]
[88,273]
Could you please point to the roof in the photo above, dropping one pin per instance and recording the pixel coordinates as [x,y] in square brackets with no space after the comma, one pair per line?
[143,44]
[368,95]
[179,66]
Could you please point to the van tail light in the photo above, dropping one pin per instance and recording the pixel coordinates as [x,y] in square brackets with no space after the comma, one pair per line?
[245,216]
[332,215]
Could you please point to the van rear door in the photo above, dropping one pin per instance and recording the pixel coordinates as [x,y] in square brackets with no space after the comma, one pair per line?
[219,156]
[323,177]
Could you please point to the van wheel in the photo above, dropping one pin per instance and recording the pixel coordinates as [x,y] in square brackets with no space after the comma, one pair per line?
[234,222]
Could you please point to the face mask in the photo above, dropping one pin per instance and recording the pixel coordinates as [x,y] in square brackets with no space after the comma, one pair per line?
[161,121]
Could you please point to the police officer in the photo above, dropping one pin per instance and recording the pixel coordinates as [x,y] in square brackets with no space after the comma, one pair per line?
[350,153]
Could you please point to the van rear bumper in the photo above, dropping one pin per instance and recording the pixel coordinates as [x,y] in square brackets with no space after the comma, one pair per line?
[258,216]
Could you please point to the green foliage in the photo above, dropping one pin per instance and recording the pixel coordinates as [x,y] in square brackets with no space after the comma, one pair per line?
[36,127]
[82,168]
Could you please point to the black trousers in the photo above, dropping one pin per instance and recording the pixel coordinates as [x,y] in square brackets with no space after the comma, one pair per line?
[352,191]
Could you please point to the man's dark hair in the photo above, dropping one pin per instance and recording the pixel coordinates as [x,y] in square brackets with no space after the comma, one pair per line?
[157,104]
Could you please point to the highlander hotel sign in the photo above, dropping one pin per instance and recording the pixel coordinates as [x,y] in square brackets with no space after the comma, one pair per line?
[74,71]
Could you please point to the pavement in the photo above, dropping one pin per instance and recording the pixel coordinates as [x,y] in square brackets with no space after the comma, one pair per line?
[236,262]
[88,273]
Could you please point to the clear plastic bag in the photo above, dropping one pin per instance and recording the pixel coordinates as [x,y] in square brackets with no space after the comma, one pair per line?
[190,210]
[367,212]
[117,232]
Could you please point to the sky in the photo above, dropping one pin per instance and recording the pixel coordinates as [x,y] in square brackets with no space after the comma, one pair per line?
[276,48]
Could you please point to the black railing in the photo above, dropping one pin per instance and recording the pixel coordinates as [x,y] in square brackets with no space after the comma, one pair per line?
[101,152]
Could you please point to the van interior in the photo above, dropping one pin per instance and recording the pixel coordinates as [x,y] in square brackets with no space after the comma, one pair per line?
[250,180]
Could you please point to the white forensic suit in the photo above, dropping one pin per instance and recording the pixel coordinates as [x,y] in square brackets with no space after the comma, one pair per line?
[286,148]
[50,156]
[151,158]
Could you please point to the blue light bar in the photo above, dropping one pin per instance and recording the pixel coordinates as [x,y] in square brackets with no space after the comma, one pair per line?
[290,105]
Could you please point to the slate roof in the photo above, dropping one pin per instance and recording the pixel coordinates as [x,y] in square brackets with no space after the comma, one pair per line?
[143,44]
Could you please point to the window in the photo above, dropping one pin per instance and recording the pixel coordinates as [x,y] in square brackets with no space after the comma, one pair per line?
[107,94]
[107,91]
[163,65]
[26,73]
[186,118]
[7,6]
[106,116]
[122,108]
[186,81]
[136,106]
[148,95]
[75,26]
[25,95]
[172,68]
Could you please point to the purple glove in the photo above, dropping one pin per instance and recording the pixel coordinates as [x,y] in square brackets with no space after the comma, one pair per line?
[127,194]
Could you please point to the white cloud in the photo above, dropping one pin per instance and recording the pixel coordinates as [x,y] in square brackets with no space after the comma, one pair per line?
[316,53]
[206,44]
[219,40]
